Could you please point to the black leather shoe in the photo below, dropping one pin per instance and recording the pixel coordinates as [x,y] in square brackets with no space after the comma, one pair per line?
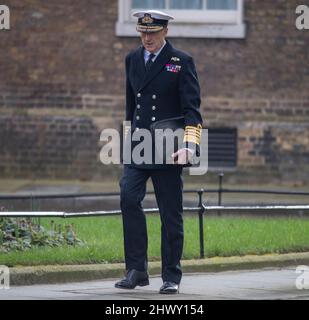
[132,279]
[169,287]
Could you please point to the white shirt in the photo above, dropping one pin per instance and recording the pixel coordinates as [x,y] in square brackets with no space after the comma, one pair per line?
[147,53]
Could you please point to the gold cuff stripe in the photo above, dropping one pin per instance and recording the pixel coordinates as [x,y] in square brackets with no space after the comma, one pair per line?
[191,139]
[194,129]
[195,133]
[197,127]
[198,133]
[193,136]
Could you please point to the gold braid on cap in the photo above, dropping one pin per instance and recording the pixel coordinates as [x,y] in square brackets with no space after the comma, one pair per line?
[141,28]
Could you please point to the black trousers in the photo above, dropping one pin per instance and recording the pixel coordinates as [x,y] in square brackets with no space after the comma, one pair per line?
[168,188]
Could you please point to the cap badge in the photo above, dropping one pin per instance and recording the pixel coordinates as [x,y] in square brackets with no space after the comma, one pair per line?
[147,18]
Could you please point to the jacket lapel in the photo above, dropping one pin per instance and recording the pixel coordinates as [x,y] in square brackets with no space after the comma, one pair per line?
[139,68]
[158,65]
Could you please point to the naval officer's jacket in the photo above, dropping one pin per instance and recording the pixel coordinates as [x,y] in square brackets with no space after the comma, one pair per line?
[169,89]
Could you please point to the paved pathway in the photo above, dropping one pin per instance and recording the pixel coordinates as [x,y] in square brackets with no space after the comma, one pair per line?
[253,284]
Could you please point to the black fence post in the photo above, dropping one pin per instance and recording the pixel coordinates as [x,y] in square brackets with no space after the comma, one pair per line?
[33,220]
[221,175]
[201,222]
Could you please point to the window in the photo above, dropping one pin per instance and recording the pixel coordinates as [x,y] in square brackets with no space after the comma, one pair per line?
[185,4]
[193,18]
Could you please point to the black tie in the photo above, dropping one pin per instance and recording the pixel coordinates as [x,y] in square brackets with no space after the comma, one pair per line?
[149,61]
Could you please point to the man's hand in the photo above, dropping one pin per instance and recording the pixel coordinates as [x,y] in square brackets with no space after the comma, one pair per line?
[182,156]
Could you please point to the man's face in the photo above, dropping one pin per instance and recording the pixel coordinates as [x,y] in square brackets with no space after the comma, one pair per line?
[153,41]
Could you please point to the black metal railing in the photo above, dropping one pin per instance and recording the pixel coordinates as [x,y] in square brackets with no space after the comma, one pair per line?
[200,209]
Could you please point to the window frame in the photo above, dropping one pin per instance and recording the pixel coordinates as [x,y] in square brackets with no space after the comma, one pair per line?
[190,22]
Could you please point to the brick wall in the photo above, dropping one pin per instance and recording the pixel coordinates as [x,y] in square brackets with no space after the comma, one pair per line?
[61,64]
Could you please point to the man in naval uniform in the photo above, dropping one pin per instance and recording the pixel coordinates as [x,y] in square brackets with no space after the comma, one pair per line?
[161,83]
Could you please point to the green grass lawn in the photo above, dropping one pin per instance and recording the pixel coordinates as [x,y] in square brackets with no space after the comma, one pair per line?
[224,236]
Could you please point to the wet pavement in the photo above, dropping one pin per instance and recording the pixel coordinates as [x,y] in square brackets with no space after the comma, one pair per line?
[265,284]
